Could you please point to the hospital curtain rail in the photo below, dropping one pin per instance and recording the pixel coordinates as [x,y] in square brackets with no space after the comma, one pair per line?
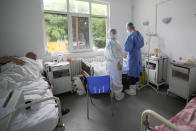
[145,123]
[60,125]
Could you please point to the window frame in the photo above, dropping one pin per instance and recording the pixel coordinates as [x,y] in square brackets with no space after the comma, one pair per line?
[69,21]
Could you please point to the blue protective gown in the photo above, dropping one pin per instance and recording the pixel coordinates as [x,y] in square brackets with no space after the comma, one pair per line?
[134,42]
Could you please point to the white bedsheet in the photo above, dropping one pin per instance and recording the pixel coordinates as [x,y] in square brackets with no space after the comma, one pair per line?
[44,116]
[41,117]
[99,68]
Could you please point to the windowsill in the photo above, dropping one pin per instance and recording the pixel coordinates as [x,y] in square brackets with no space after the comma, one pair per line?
[82,51]
[79,54]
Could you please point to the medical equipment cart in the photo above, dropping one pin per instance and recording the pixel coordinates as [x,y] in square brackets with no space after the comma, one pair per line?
[157,68]
[59,75]
[182,80]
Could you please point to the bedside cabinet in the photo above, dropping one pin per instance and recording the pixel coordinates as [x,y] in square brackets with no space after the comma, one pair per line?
[59,75]
[182,80]
[157,70]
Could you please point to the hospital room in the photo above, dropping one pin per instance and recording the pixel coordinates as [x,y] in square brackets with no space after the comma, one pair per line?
[97,65]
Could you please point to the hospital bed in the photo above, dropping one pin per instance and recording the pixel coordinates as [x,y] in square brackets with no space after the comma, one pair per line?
[185,120]
[39,120]
[43,114]
[42,110]
[95,66]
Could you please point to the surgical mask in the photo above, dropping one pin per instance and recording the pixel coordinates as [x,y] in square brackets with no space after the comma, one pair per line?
[128,32]
[113,36]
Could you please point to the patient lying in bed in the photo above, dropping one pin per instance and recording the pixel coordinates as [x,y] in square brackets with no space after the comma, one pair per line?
[30,56]
[7,59]
[18,61]
[24,73]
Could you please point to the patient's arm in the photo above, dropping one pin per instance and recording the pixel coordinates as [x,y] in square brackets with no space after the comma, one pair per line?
[7,59]
[49,85]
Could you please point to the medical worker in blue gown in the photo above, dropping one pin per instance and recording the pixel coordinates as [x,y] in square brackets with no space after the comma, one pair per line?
[114,56]
[134,43]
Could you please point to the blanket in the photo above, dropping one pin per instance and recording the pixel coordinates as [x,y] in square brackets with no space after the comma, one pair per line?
[185,119]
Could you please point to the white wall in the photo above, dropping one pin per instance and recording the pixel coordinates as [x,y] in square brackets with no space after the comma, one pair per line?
[177,38]
[121,14]
[22,28]
[23,25]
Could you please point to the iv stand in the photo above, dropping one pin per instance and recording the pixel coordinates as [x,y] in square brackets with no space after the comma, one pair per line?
[147,64]
[150,35]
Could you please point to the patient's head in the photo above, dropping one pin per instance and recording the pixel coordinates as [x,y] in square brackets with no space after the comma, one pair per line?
[31,55]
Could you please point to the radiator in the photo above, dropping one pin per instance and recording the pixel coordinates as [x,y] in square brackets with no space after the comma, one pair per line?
[76,68]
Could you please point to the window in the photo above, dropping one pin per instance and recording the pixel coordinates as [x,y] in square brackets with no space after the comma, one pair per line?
[75,25]
[99,32]
[77,6]
[56,32]
[99,9]
[55,5]
[80,32]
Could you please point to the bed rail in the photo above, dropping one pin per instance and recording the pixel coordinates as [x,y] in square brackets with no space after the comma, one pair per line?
[87,68]
[144,120]
[60,126]
[86,64]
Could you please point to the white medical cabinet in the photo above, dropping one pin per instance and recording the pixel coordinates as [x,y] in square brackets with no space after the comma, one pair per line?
[182,80]
[59,76]
[157,70]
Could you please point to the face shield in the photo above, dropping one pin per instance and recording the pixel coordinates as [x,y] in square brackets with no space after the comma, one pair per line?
[113,34]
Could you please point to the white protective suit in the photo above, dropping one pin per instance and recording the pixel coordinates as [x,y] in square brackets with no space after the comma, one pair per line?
[114,56]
